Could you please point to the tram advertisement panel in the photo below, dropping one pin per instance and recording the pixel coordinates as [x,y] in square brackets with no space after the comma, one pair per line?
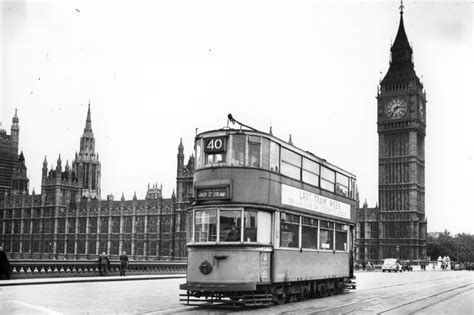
[300,198]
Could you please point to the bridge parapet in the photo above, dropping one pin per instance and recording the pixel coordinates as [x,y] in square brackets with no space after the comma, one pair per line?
[88,268]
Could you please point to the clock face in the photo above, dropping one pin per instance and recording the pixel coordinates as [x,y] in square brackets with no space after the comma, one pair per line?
[396,108]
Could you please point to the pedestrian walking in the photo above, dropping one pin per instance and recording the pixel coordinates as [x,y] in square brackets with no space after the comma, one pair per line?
[5,269]
[123,263]
[104,264]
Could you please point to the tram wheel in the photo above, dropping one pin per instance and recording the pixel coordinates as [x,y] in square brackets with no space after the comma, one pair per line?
[323,290]
[279,299]
[331,291]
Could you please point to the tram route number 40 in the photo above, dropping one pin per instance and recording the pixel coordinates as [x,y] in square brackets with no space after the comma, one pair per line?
[214,145]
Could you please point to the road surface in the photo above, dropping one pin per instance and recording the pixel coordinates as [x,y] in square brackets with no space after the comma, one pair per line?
[417,292]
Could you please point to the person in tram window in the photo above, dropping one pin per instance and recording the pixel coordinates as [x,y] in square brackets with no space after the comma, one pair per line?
[294,241]
[5,269]
[233,235]
[123,263]
[104,264]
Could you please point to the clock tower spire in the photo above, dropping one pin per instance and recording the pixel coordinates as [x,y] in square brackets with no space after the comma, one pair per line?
[401,126]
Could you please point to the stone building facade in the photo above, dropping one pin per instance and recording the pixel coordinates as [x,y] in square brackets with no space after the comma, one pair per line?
[397,227]
[69,220]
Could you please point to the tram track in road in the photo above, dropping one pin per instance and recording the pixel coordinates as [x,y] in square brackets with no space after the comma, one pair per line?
[375,304]
[445,295]
[411,283]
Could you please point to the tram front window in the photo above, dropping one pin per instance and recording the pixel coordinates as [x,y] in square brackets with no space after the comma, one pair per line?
[205,229]
[230,225]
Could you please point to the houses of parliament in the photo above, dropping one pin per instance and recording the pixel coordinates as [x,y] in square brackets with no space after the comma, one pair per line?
[70,220]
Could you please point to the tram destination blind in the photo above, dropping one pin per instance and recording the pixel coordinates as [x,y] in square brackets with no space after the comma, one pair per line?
[212,193]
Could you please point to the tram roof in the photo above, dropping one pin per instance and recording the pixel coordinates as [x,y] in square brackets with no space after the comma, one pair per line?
[283,143]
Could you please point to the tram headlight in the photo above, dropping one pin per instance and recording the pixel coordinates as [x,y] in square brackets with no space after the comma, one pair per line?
[205,267]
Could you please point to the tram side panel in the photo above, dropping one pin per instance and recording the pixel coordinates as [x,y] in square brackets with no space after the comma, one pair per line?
[291,265]
[225,265]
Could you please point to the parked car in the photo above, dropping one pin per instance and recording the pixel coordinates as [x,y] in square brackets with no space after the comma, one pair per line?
[459,266]
[406,266]
[469,265]
[391,264]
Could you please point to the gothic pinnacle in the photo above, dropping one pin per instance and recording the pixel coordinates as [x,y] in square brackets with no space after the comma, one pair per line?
[15,119]
[88,119]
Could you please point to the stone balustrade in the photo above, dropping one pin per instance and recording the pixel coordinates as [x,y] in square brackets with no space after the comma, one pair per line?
[88,268]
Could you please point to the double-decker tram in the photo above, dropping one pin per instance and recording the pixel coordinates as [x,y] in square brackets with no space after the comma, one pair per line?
[270,222]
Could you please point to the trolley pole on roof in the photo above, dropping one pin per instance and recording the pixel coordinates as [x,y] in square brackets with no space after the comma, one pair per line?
[233,121]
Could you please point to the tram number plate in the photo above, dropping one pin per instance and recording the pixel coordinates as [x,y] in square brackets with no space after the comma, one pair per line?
[214,145]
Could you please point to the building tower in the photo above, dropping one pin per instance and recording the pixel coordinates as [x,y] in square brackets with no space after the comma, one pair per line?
[401,102]
[20,177]
[86,163]
[9,155]
[184,193]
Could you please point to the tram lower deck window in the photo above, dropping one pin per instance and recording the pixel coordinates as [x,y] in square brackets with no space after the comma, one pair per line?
[289,231]
[341,237]
[225,225]
[326,235]
[309,233]
[205,228]
[230,221]
[250,226]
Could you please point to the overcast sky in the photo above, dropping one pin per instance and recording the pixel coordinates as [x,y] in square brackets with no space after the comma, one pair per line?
[154,72]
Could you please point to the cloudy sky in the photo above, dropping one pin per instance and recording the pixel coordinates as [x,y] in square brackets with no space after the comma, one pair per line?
[154,72]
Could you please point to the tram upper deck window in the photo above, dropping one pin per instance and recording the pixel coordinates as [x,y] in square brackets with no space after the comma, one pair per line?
[290,163]
[342,185]
[254,151]
[327,178]
[341,236]
[310,172]
[289,231]
[309,233]
[205,228]
[215,150]
[274,156]
[216,158]
[238,150]
[352,188]
[326,235]
[230,224]
[198,148]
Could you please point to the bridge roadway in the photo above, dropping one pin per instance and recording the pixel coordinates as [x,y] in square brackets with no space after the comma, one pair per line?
[418,292]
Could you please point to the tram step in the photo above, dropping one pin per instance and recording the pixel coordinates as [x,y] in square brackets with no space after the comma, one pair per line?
[241,300]
[350,285]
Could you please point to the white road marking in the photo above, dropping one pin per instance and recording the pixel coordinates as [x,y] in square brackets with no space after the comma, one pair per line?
[36,307]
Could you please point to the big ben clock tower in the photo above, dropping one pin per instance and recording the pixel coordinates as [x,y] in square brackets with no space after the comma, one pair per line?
[401,126]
